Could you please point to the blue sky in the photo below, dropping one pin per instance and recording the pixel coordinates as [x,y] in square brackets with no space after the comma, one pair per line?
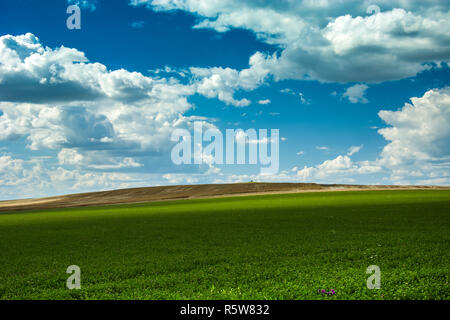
[93,109]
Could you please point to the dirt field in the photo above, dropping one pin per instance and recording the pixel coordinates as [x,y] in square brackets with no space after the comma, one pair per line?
[182,192]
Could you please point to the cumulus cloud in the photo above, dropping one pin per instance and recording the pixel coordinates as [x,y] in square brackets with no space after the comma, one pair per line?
[95,118]
[341,166]
[418,149]
[11,170]
[418,131]
[419,137]
[20,178]
[57,98]
[222,83]
[30,72]
[70,157]
[355,94]
[333,41]
[24,178]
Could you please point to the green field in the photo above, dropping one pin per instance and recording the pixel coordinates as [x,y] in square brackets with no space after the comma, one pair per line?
[253,247]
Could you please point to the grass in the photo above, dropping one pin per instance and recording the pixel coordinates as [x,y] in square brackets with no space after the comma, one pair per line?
[255,247]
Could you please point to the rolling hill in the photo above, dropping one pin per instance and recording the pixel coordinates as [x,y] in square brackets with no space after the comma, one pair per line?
[161,193]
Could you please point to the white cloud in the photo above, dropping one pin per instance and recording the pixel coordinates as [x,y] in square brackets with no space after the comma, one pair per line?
[85,4]
[322,148]
[222,83]
[420,131]
[333,170]
[302,98]
[96,119]
[355,93]
[419,137]
[22,179]
[58,99]
[76,180]
[125,163]
[333,41]
[10,170]
[418,149]
[266,101]
[70,157]
[30,72]
[180,179]
[353,150]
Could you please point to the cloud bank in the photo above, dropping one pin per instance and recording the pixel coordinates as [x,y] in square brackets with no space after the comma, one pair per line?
[333,41]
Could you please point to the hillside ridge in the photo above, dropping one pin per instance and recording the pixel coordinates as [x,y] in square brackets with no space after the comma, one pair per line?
[177,192]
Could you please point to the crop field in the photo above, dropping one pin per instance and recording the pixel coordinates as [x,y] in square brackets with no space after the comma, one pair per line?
[282,246]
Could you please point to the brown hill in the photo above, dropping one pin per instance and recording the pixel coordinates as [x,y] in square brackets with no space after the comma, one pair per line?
[148,194]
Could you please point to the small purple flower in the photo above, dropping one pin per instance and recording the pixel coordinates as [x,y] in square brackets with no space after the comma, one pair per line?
[329,293]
